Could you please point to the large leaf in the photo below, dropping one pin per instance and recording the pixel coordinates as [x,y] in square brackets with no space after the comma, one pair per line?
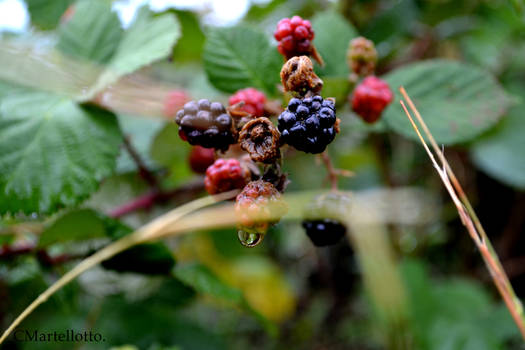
[500,154]
[76,225]
[457,101]
[53,152]
[191,43]
[93,33]
[46,14]
[239,57]
[332,35]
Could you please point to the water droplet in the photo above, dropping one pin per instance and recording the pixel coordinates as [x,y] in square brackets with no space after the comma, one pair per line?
[248,239]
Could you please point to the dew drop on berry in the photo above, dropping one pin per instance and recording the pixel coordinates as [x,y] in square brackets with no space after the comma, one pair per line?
[248,239]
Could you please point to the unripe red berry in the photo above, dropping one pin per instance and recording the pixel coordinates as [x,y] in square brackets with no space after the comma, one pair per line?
[253,99]
[174,101]
[225,175]
[370,98]
[295,37]
[201,158]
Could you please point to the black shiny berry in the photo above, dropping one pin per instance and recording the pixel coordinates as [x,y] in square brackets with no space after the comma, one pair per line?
[206,124]
[324,232]
[309,125]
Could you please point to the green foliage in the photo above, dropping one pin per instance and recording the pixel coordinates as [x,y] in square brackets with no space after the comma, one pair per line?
[190,45]
[46,14]
[332,35]
[54,152]
[75,225]
[458,101]
[240,57]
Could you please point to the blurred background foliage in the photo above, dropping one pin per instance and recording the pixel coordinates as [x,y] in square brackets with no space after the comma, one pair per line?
[204,290]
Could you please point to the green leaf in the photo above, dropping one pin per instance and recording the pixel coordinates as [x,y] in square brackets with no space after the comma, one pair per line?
[240,57]
[191,43]
[46,14]
[332,35]
[93,33]
[76,225]
[204,281]
[500,154]
[53,152]
[457,101]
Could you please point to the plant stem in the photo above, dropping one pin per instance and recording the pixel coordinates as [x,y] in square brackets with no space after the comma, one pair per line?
[144,172]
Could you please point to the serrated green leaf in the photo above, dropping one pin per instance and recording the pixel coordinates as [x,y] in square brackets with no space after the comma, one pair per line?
[204,281]
[332,35]
[500,154]
[457,101]
[46,14]
[93,33]
[240,57]
[53,152]
[76,225]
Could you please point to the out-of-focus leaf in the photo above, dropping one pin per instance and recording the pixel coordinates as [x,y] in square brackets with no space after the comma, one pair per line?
[204,281]
[93,33]
[46,14]
[54,152]
[76,225]
[457,101]
[239,57]
[140,132]
[500,153]
[190,45]
[332,35]
[170,151]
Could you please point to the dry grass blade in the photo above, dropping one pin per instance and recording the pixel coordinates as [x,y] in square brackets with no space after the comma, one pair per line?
[468,217]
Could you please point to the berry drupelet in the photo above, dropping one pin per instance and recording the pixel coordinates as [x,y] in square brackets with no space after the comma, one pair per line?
[323,218]
[206,124]
[226,175]
[370,98]
[295,37]
[200,159]
[309,125]
[253,99]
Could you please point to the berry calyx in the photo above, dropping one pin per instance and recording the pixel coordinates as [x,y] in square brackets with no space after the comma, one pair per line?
[260,138]
[361,56]
[298,76]
[295,37]
[324,232]
[200,159]
[259,206]
[370,98]
[324,217]
[206,124]
[225,175]
[309,125]
[253,99]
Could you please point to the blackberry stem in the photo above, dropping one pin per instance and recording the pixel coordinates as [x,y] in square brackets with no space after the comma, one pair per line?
[332,173]
[144,172]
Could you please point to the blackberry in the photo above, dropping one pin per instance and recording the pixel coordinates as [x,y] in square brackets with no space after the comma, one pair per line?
[324,232]
[206,124]
[323,218]
[309,125]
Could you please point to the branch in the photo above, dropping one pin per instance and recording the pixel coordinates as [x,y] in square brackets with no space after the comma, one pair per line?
[144,172]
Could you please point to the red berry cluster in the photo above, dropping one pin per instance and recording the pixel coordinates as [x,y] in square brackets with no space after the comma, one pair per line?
[253,99]
[370,98]
[225,175]
[201,158]
[295,37]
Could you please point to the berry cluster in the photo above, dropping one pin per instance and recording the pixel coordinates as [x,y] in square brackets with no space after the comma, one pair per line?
[361,56]
[370,98]
[205,124]
[295,37]
[253,99]
[308,125]
[225,175]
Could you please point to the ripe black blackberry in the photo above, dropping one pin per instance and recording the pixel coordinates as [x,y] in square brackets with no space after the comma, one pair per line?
[206,124]
[324,216]
[309,125]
